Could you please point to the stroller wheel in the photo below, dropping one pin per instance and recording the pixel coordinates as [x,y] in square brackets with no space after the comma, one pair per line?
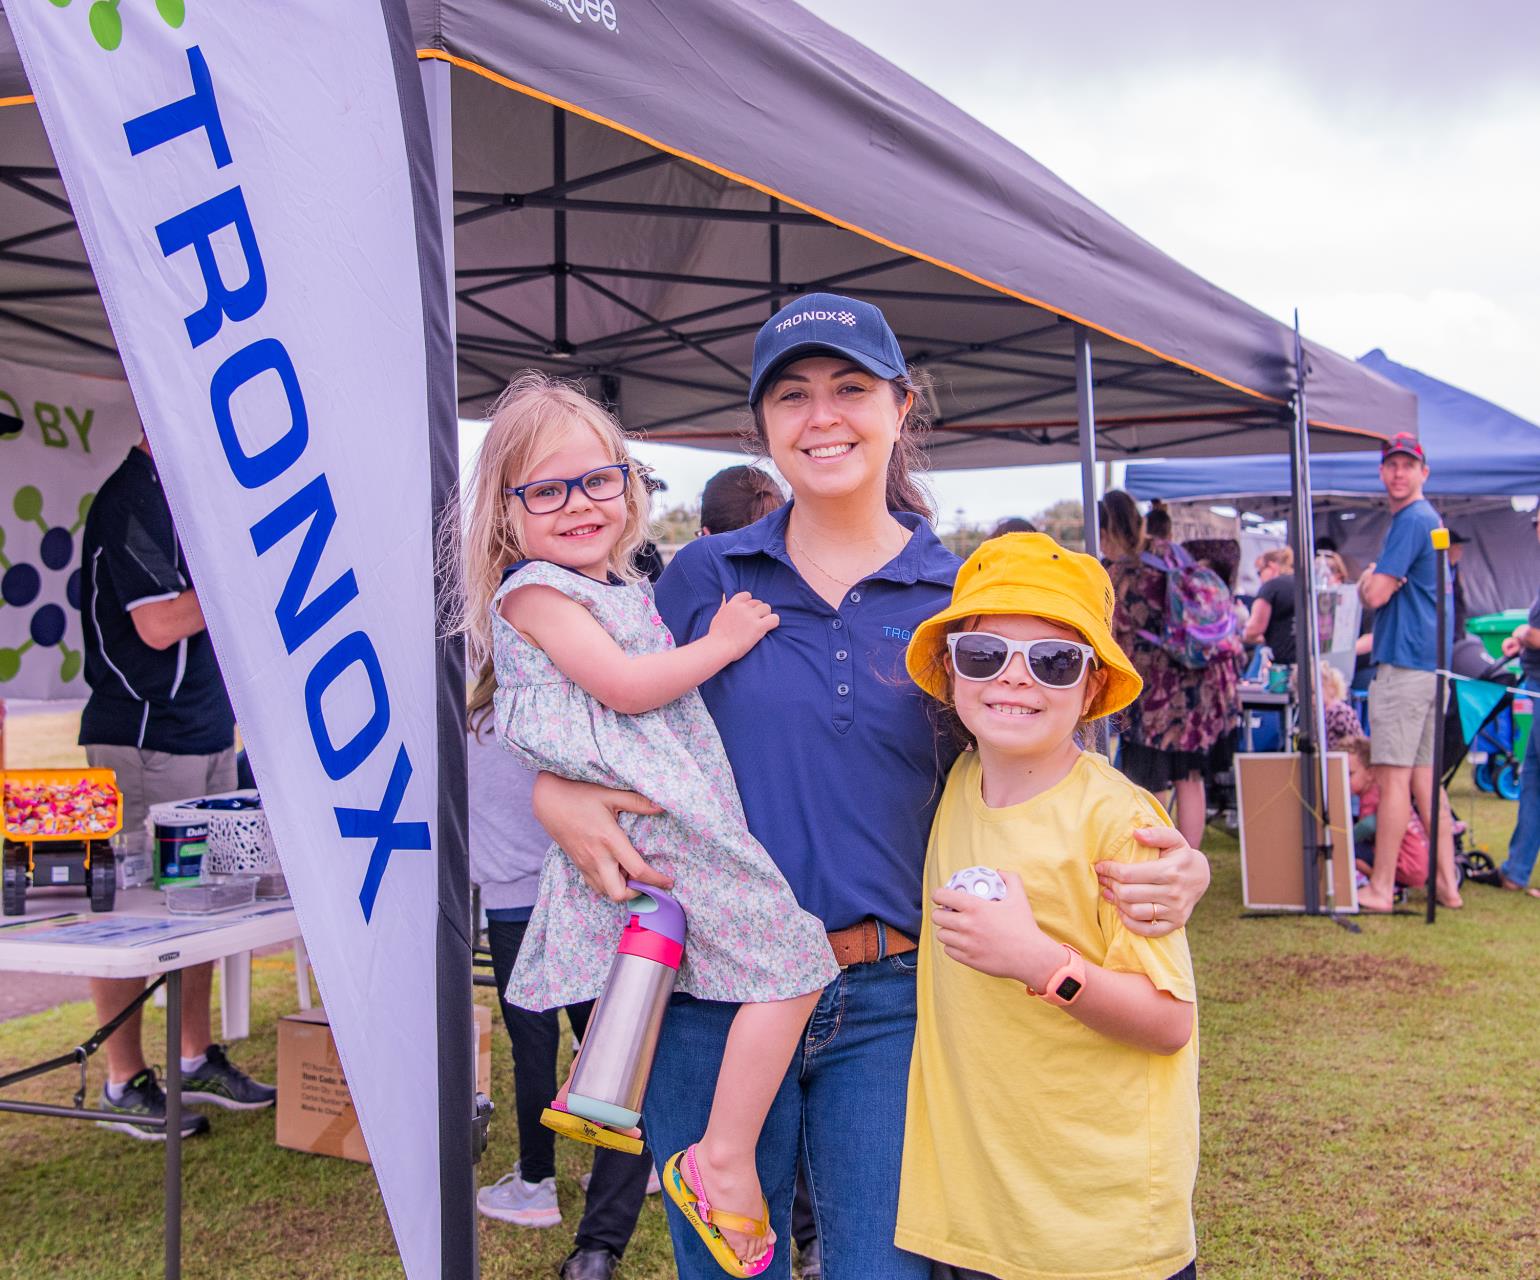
[1508,781]
[1477,866]
[1482,776]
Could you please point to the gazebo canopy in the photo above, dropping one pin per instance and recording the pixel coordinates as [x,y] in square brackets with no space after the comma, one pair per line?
[1475,449]
[639,183]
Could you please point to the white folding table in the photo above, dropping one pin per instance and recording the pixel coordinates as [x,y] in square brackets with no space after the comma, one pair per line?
[137,939]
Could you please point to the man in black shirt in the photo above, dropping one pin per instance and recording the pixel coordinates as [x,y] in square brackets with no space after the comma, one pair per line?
[159,718]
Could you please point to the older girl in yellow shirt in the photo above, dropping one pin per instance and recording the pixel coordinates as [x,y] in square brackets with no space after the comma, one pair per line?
[1053,1108]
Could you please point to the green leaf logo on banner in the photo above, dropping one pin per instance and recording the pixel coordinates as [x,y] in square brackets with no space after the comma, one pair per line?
[23,585]
[1475,699]
[106,22]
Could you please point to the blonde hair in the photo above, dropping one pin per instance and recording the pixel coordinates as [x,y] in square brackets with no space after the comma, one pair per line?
[1282,557]
[535,415]
[1335,563]
[1333,686]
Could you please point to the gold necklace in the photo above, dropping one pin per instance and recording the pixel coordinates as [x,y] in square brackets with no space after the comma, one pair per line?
[797,543]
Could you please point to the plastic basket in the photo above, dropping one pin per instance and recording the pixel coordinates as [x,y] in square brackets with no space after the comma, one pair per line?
[240,840]
[211,893]
[65,777]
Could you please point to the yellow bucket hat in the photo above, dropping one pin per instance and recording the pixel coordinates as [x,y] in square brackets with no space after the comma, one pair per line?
[1030,573]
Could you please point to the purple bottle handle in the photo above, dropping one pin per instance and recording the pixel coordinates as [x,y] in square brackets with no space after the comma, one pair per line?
[665,917]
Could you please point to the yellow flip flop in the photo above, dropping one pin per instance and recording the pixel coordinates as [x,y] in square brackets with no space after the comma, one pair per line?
[573,1126]
[699,1214]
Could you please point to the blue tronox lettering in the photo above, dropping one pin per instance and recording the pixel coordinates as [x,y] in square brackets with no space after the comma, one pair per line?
[301,616]
[897,633]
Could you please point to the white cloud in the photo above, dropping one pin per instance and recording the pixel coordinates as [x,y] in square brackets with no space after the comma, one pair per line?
[1383,180]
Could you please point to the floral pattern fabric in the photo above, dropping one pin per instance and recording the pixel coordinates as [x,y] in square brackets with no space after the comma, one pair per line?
[1343,726]
[1180,709]
[747,940]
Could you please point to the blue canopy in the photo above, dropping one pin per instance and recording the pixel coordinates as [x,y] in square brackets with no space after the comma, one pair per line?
[1473,446]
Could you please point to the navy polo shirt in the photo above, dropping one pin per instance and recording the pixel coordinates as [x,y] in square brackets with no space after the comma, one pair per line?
[171,700]
[835,752]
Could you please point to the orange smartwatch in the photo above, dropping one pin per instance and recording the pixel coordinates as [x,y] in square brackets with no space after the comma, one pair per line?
[1067,981]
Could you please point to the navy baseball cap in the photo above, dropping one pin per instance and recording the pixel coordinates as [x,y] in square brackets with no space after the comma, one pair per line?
[825,323]
[1403,442]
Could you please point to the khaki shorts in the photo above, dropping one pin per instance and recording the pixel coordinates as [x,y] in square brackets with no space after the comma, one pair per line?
[155,777]
[1401,716]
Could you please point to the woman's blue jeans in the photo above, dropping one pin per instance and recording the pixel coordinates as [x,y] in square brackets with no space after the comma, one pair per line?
[1526,828]
[842,1103]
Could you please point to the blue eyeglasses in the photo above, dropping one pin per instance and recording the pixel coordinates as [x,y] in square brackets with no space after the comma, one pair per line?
[542,497]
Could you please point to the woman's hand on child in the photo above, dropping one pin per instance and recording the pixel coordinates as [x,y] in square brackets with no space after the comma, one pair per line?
[741,623]
[1000,938]
[580,817]
[1156,898]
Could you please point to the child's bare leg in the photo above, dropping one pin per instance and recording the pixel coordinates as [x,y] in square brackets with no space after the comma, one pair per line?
[760,1045]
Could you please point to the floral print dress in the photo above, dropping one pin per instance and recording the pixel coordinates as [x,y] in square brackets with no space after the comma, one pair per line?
[748,940]
[1180,710]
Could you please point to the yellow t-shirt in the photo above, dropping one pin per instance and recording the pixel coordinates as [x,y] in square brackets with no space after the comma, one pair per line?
[1037,1148]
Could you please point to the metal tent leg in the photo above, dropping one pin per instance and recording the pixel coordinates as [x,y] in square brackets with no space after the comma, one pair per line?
[174,1125]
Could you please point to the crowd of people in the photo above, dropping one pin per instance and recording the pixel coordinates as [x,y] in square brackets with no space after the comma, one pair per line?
[818,728]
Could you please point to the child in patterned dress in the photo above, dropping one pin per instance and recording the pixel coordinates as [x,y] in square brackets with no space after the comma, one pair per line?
[589,685]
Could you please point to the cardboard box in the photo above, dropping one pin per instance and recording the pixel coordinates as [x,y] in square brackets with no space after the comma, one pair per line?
[315,1109]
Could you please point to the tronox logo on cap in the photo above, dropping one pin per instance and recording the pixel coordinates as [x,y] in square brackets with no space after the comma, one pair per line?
[842,317]
[600,11]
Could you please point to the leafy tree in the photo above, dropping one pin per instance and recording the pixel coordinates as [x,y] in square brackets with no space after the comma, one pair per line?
[1064,522]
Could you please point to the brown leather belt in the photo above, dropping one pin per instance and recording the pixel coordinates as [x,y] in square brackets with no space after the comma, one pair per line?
[870,940]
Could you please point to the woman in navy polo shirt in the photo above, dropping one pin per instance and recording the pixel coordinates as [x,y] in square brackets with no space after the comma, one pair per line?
[840,768]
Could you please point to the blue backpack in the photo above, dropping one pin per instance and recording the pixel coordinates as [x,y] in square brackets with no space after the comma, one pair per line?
[1199,620]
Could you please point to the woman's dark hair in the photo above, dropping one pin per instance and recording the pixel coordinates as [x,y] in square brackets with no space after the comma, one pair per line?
[736,497]
[1222,555]
[1118,514]
[905,491]
[1012,524]
[1158,523]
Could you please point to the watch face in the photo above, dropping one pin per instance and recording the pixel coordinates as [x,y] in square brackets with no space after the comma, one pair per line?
[1068,990]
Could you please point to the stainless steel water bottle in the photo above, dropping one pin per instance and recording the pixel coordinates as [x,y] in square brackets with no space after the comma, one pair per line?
[615,1059]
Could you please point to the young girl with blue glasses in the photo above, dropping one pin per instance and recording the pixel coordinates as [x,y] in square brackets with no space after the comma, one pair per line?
[590,686]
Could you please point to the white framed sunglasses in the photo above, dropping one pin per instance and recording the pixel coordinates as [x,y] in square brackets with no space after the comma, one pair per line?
[1054,664]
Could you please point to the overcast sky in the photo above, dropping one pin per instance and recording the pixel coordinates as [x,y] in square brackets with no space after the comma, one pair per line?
[1375,165]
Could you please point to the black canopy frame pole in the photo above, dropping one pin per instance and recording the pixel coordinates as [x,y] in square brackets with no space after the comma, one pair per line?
[1311,726]
[1085,412]
[461,1116]
[1440,704]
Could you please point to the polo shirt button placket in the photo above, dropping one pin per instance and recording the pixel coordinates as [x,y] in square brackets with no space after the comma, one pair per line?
[841,673]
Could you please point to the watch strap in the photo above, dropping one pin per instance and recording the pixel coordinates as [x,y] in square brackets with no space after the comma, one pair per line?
[1066,982]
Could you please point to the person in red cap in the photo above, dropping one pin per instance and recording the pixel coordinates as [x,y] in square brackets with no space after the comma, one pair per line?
[1400,586]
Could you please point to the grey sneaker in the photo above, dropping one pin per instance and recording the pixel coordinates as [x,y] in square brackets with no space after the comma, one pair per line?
[653,1185]
[525,1204]
[143,1096]
[225,1085]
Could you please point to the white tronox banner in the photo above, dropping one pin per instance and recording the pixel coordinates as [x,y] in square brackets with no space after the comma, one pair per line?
[254,191]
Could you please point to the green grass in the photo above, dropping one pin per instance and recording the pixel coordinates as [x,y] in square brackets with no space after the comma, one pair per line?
[1368,1110]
